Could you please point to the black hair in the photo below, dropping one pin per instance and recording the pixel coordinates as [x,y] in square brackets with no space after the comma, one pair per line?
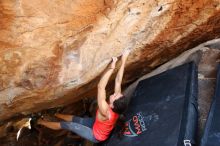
[120,105]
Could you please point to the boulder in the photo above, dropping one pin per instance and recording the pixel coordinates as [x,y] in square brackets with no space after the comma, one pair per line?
[52,53]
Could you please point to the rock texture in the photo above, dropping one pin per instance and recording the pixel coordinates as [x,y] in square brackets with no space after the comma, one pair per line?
[53,52]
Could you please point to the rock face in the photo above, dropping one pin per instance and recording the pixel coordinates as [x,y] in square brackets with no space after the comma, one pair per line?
[53,52]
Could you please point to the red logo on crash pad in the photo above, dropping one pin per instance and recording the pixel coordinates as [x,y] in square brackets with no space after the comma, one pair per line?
[135,126]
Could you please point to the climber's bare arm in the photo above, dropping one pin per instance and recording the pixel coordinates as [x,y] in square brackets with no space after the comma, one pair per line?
[102,103]
[118,79]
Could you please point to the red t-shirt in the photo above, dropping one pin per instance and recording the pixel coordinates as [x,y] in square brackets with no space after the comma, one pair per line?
[102,129]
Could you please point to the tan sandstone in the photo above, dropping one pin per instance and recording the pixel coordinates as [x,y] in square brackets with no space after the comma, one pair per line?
[53,52]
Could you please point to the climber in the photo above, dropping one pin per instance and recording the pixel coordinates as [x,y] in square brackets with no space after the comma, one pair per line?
[97,129]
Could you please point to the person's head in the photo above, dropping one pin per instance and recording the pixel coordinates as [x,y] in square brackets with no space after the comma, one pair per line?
[118,103]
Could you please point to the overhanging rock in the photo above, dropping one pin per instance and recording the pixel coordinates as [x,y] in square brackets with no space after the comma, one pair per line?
[52,52]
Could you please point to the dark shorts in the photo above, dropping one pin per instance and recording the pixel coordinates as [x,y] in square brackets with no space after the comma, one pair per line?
[82,127]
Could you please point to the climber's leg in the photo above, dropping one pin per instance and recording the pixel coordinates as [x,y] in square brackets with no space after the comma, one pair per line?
[67,118]
[84,121]
[51,125]
[82,127]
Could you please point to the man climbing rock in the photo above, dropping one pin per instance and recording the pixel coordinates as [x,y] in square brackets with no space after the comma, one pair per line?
[99,128]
